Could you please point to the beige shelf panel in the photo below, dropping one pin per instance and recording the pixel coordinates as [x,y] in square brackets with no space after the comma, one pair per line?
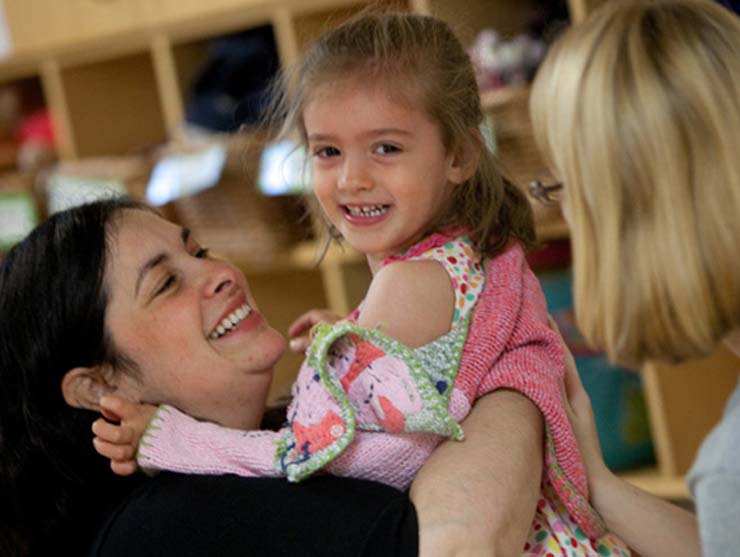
[508,17]
[308,26]
[68,22]
[497,98]
[113,106]
[303,256]
[167,12]
[654,482]
[188,58]
[684,403]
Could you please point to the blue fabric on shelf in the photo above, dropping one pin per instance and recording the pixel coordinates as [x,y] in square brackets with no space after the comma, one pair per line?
[232,86]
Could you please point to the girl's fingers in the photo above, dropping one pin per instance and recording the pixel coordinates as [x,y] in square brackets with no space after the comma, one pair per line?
[300,344]
[124,468]
[112,433]
[300,325]
[304,323]
[119,406]
[114,452]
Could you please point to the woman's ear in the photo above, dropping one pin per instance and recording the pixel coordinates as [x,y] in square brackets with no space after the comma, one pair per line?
[82,387]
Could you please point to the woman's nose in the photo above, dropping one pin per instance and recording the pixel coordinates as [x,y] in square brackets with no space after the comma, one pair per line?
[219,278]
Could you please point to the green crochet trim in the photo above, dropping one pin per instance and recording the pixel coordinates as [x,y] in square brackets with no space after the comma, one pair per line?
[151,428]
[435,406]
[438,419]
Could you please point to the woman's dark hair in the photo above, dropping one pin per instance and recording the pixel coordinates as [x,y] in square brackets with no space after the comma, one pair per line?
[53,486]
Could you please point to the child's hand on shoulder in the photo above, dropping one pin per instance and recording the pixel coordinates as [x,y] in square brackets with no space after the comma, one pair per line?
[299,331]
[120,442]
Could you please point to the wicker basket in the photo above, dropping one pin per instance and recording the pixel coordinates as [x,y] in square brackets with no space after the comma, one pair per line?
[235,220]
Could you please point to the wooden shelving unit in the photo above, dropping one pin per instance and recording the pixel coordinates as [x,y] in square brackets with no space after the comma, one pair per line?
[671,487]
[114,75]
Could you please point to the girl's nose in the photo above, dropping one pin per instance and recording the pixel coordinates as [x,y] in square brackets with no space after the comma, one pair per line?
[355,176]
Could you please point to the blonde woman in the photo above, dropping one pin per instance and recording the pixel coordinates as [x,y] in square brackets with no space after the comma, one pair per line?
[637,112]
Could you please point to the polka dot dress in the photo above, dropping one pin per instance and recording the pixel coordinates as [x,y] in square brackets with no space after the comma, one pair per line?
[555,534]
[465,270]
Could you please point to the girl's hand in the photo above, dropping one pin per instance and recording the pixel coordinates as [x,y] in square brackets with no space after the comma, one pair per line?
[298,332]
[120,442]
[581,416]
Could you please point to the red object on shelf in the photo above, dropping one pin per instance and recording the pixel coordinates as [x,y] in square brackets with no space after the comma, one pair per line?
[553,255]
[36,128]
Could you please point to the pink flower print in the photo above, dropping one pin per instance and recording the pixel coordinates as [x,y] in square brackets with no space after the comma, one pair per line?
[314,413]
[313,438]
[390,417]
[364,354]
[386,386]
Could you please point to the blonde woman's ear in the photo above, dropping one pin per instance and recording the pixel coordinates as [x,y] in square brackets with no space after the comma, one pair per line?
[82,387]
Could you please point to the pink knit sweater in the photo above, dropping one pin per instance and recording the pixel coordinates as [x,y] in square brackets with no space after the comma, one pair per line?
[510,345]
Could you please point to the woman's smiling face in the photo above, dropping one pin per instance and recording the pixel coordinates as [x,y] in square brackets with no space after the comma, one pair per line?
[189,322]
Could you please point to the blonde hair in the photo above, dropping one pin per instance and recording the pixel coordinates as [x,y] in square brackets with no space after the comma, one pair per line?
[417,57]
[638,112]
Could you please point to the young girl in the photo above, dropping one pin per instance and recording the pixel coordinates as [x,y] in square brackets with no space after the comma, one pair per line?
[389,110]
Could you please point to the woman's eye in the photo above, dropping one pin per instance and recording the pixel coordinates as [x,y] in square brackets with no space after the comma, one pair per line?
[202,253]
[326,152]
[387,149]
[166,285]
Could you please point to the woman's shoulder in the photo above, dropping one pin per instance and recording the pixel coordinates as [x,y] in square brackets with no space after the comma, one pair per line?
[176,514]
[720,451]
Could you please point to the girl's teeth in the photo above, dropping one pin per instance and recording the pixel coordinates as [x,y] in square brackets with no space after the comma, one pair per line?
[367,211]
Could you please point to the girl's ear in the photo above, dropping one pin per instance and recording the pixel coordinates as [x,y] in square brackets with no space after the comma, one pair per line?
[465,160]
[82,387]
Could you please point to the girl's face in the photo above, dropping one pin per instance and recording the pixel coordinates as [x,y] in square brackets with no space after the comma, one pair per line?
[379,168]
[167,303]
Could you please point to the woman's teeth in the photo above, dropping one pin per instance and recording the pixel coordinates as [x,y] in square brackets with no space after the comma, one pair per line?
[230,321]
[367,210]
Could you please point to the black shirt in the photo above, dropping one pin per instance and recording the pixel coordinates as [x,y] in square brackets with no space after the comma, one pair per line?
[188,515]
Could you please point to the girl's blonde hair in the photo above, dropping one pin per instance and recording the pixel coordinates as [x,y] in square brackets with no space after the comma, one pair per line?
[638,112]
[417,58]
